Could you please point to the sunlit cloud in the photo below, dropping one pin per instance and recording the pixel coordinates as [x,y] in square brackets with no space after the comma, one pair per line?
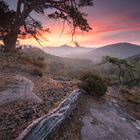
[112,21]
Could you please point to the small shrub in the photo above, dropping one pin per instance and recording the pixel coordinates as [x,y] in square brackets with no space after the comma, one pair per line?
[93,84]
[132,83]
[37,72]
[38,62]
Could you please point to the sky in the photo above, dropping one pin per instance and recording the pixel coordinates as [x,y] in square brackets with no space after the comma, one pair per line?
[112,21]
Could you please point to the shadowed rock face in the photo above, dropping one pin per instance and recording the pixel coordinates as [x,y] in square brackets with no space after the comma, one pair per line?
[44,126]
[108,122]
[20,89]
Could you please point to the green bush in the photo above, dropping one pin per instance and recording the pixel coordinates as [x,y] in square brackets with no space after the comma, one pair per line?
[93,84]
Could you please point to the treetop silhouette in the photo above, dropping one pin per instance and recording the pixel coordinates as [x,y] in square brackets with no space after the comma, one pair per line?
[20,23]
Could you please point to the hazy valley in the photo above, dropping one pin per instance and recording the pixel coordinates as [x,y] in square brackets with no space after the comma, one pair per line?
[120,50]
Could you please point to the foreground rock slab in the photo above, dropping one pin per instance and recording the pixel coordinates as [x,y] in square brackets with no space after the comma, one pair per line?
[20,88]
[106,121]
[44,126]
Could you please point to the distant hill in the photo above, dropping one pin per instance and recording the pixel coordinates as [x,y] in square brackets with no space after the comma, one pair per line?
[36,52]
[120,50]
[59,66]
[66,50]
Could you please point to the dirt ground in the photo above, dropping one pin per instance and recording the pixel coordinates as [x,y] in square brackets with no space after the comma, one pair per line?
[16,115]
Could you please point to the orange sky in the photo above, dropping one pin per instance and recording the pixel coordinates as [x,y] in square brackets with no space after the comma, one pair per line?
[102,34]
[112,21]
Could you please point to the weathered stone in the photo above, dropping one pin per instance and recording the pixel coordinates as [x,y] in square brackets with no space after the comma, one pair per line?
[21,88]
[44,126]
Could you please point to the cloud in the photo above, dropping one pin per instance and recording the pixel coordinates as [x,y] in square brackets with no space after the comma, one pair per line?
[112,21]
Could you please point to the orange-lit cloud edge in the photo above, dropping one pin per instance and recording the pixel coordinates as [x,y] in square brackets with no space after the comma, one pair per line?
[100,35]
[112,21]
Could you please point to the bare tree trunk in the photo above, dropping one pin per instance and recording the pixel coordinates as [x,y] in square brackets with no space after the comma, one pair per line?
[10,41]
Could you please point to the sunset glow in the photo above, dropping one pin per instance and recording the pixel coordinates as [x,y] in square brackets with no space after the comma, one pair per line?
[112,21]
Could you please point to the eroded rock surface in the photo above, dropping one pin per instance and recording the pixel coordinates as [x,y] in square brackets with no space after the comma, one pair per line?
[19,89]
[106,121]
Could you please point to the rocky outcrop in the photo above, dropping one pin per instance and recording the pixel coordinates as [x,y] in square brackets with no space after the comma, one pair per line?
[41,128]
[107,121]
[20,88]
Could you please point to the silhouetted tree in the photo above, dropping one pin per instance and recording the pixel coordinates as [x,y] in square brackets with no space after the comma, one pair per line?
[20,23]
[119,63]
